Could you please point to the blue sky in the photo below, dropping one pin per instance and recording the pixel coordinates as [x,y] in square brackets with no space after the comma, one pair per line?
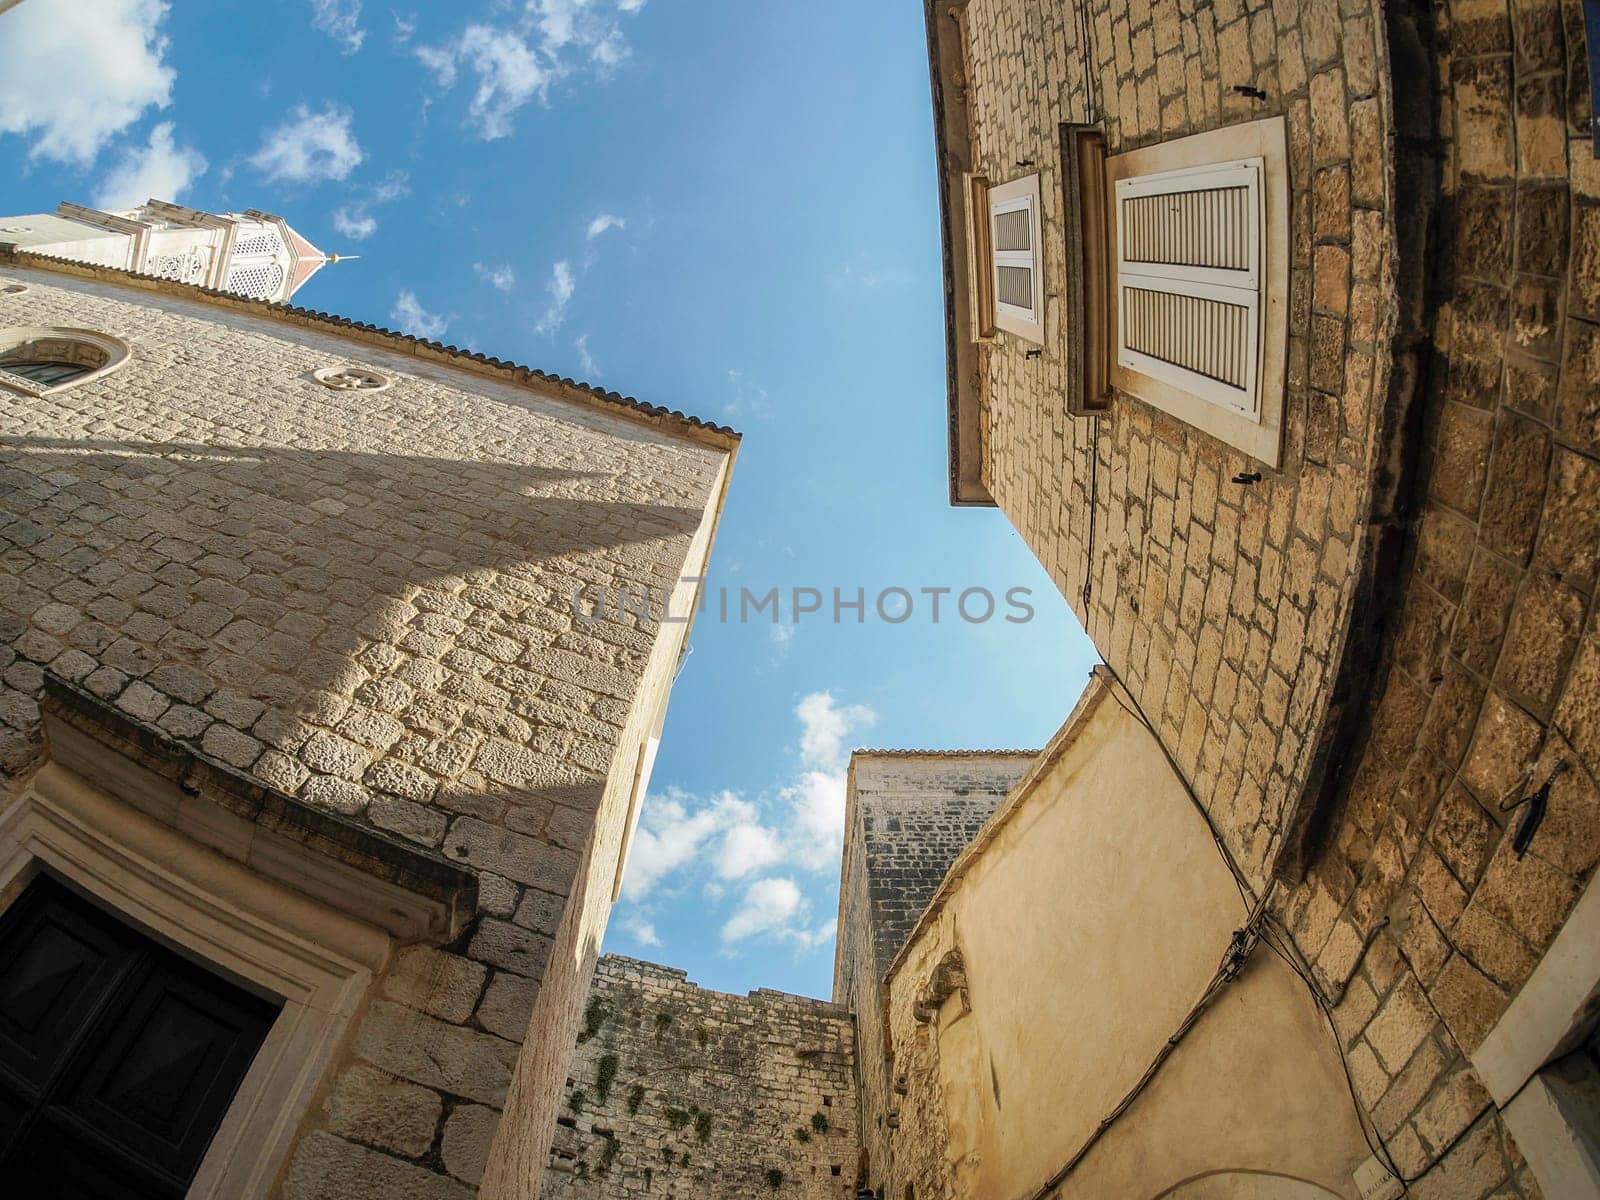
[724,206]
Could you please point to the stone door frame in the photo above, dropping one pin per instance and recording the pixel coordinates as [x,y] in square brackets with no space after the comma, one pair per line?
[269,939]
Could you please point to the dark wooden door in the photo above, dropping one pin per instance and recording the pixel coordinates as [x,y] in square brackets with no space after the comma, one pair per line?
[118,1056]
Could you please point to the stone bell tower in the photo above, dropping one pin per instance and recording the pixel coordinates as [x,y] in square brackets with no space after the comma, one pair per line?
[254,254]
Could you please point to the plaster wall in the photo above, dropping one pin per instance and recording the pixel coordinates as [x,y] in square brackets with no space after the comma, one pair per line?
[1088,918]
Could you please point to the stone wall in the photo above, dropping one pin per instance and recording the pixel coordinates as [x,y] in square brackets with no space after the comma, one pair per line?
[364,601]
[1420,913]
[1358,660]
[909,814]
[1223,607]
[679,1091]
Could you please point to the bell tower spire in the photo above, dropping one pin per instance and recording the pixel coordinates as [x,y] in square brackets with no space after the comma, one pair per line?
[250,253]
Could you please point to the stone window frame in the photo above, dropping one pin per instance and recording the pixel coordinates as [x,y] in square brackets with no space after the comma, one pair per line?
[320,963]
[116,351]
[1260,436]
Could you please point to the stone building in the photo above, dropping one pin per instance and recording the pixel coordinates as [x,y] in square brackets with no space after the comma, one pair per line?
[251,253]
[1273,329]
[678,1091]
[316,785]
[908,814]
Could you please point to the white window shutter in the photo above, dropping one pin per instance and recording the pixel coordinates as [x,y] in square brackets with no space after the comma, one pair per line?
[1014,226]
[1189,272]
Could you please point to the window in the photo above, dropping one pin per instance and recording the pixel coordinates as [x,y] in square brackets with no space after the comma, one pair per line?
[1012,294]
[1189,279]
[1200,233]
[351,379]
[40,360]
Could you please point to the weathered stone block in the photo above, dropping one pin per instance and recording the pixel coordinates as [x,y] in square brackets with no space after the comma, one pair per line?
[372,1106]
[1461,457]
[508,1005]
[1545,625]
[516,856]
[1483,129]
[510,947]
[1502,750]
[467,1137]
[435,982]
[329,1168]
[1403,1021]
[1468,1001]
[438,1055]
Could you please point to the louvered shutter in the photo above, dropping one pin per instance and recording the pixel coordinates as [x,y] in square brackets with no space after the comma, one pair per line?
[1014,249]
[1189,271]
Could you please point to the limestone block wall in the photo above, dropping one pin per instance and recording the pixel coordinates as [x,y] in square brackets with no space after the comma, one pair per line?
[364,600]
[1222,606]
[679,1091]
[1227,609]
[908,815]
[1421,916]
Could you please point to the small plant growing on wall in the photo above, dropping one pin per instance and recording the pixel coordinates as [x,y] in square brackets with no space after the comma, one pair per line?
[608,1155]
[663,1023]
[701,1036]
[594,1016]
[774,1178]
[677,1118]
[819,1122]
[802,1135]
[702,1126]
[635,1099]
[605,1075]
[576,1101]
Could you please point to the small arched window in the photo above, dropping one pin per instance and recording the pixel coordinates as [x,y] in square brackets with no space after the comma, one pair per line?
[39,359]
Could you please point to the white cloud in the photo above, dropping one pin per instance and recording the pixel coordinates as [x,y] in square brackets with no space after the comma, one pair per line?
[74,75]
[516,63]
[720,842]
[824,724]
[340,20]
[501,278]
[670,836]
[748,848]
[641,930]
[410,317]
[354,222]
[604,222]
[310,147]
[509,73]
[560,288]
[585,359]
[769,905]
[160,168]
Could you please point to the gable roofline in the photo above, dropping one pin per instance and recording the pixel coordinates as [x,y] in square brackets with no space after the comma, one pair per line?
[500,370]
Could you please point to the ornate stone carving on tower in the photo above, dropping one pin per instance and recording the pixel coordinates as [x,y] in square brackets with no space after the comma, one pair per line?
[249,253]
